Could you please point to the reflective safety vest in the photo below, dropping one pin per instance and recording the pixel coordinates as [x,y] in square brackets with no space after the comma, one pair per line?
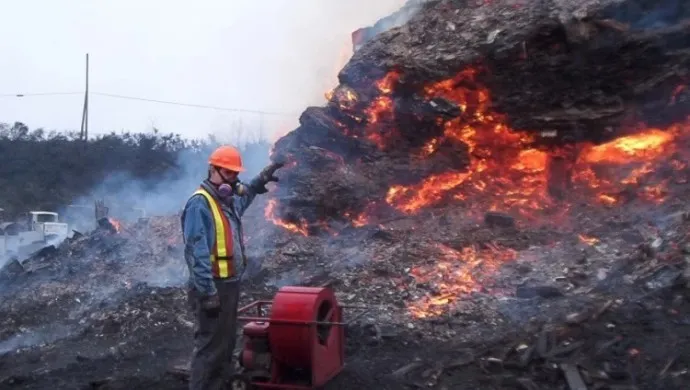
[222,265]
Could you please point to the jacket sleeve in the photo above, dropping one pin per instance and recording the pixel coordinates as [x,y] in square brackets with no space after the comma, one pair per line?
[199,236]
[243,202]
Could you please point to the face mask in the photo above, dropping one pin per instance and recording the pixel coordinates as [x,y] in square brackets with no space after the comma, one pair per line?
[230,188]
[225,190]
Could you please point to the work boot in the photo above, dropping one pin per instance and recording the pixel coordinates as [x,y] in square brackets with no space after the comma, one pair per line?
[239,382]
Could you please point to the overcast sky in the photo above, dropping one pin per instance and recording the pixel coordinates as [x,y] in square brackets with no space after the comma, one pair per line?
[272,55]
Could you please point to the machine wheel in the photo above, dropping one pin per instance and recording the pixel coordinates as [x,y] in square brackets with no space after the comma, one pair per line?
[240,382]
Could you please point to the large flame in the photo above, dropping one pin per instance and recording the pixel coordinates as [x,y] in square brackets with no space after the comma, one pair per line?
[500,158]
[506,172]
[515,175]
[504,164]
[635,157]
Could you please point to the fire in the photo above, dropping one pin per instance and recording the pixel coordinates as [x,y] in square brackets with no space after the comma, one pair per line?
[634,158]
[645,146]
[344,97]
[379,110]
[588,240]
[269,213]
[504,164]
[361,219]
[507,172]
[500,158]
[385,85]
[456,274]
[607,199]
[430,191]
[344,56]
[115,224]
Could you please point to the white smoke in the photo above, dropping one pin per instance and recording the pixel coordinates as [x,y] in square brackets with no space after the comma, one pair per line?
[277,56]
[396,19]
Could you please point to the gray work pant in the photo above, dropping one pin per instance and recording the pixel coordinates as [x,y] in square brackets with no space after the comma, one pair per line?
[214,338]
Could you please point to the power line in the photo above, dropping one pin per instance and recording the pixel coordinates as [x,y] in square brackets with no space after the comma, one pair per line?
[116,96]
[39,94]
[191,104]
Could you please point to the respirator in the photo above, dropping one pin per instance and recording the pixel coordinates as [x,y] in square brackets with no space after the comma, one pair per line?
[230,187]
[227,190]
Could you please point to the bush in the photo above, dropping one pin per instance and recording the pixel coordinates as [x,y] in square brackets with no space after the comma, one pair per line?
[47,170]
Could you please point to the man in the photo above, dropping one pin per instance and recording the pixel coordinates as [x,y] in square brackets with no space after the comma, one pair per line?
[214,251]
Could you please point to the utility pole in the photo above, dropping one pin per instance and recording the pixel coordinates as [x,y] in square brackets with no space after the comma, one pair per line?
[85,113]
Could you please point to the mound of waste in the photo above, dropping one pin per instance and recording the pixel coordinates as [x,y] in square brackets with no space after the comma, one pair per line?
[503,183]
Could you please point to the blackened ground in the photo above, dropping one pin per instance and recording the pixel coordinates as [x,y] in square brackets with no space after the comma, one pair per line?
[641,342]
[86,320]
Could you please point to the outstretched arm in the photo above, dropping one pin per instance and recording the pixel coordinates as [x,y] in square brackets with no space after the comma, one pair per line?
[243,201]
[256,186]
[199,236]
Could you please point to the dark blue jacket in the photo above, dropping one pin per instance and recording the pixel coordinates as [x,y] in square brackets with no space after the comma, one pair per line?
[200,235]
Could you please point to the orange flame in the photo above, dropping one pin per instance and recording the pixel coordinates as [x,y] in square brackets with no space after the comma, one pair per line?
[456,274]
[506,172]
[269,213]
[516,175]
[361,219]
[381,108]
[588,240]
[499,157]
[115,224]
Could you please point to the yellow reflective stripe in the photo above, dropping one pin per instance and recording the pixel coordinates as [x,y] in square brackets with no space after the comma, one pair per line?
[223,267]
[221,245]
[223,271]
[218,222]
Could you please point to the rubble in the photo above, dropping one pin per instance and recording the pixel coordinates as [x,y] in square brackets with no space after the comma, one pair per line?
[534,51]
[536,342]
[489,257]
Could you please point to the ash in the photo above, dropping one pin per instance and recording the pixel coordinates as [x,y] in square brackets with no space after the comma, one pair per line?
[504,183]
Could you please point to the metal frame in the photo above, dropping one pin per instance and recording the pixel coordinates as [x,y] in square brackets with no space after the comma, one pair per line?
[262,304]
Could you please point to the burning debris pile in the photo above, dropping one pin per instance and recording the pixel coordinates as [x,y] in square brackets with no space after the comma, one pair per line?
[523,109]
[487,154]
[505,181]
[562,115]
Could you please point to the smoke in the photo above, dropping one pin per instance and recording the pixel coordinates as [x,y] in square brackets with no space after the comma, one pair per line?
[29,337]
[649,14]
[12,247]
[396,19]
[129,198]
[294,72]
[276,56]
[313,42]
[308,67]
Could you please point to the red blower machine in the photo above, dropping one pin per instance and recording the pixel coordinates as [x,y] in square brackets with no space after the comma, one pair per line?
[295,342]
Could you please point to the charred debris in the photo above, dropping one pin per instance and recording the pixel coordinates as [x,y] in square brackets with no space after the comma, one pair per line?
[505,182]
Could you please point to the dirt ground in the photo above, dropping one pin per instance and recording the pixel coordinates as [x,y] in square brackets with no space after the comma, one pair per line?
[654,325]
[580,282]
[83,317]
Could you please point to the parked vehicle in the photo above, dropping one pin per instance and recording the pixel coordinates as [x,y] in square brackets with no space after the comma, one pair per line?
[36,230]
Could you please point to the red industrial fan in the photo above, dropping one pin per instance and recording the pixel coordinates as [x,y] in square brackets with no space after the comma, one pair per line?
[300,345]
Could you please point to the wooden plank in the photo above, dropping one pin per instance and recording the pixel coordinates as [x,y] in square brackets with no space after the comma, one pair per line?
[572,375]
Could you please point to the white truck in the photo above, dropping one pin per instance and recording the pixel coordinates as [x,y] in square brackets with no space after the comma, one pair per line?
[39,229]
[48,223]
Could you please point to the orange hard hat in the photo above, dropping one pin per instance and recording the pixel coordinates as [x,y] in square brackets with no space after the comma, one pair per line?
[227,157]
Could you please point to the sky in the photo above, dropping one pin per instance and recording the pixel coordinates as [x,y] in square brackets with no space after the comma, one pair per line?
[277,56]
